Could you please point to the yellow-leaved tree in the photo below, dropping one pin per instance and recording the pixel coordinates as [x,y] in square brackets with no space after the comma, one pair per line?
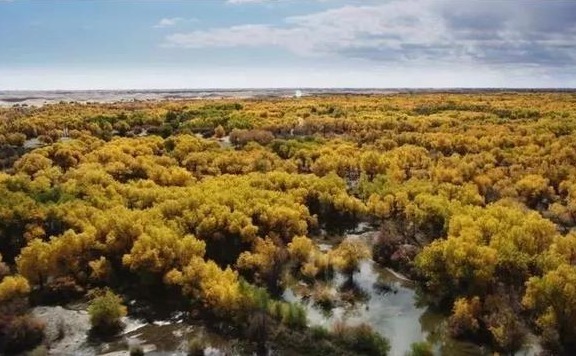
[346,257]
[552,300]
[13,287]
[216,289]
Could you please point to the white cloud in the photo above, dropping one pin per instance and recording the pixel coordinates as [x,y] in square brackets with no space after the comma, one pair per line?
[410,31]
[390,26]
[242,36]
[168,22]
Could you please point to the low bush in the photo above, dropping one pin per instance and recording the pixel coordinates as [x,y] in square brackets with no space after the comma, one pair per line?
[20,333]
[136,350]
[61,290]
[293,315]
[324,297]
[242,137]
[319,332]
[196,346]
[465,319]
[361,338]
[106,311]
[420,349]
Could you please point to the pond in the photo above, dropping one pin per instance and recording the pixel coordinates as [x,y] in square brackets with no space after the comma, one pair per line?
[389,303]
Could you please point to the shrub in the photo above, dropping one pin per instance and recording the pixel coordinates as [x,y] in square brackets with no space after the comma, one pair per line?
[324,297]
[348,255]
[300,249]
[20,333]
[196,346]
[242,137]
[309,270]
[552,300]
[275,309]
[339,329]
[464,321]
[361,338]
[319,332]
[136,350]
[13,287]
[16,139]
[219,131]
[293,315]
[106,311]
[61,290]
[319,266]
[420,349]
[506,330]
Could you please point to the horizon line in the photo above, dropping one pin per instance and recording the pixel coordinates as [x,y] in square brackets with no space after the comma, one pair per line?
[230,89]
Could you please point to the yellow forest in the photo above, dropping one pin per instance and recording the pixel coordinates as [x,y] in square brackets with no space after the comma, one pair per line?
[219,204]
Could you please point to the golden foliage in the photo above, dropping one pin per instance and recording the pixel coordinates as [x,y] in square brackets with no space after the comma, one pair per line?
[483,182]
[13,287]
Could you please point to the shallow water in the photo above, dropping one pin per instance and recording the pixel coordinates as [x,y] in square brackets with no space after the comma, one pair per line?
[388,302]
[392,312]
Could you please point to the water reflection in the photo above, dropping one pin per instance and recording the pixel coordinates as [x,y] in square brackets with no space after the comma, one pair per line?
[388,303]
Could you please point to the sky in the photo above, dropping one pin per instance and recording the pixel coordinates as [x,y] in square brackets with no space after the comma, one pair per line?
[177,44]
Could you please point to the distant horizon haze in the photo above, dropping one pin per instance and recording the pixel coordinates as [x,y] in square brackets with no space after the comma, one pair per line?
[41,97]
[264,78]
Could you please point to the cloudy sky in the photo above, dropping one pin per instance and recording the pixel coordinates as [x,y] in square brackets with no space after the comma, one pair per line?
[85,44]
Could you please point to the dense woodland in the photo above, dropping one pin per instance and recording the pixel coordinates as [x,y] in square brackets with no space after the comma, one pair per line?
[215,203]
